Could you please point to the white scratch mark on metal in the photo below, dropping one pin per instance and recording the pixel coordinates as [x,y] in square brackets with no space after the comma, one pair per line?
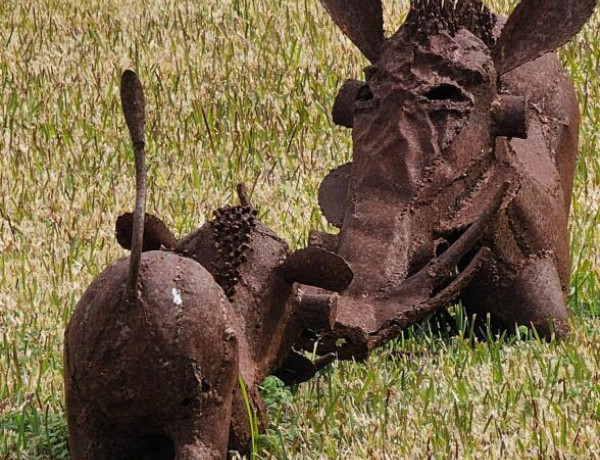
[176,297]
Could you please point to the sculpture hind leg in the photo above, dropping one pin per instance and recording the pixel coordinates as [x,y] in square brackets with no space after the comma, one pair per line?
[240,431]
[530,295]
[87,440]
[200,431]
[203,432]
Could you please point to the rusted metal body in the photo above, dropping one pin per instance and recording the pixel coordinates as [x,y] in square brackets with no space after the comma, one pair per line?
[464,125]
[465,138]
[277,294]
[160,343]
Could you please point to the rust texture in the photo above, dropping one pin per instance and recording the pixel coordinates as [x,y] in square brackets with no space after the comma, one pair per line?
[275,294]
[465,136]
[157,375]
[232,229]
[156,234]
[537,27]
[430,17]
[361,21]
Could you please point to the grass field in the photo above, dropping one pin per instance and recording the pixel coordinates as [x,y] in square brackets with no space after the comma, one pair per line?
[241,90]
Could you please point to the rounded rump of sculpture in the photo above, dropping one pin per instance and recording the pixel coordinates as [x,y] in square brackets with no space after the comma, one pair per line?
[147,359]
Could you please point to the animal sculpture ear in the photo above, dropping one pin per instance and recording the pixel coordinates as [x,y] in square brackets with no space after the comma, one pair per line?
[361,21]
[156,234]
[537,27]
[317,267]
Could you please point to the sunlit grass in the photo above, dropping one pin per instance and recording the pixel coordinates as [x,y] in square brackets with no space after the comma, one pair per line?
[241,90]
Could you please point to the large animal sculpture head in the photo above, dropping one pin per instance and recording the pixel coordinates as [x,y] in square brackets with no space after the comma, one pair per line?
[426,127]
[428,114]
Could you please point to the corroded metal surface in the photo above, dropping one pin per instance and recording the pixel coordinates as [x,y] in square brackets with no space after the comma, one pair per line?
[459,188]
[537,27]
[436,128]
[155,373]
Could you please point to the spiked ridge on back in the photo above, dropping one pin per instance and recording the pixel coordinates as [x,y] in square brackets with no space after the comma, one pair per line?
[430,17]
[232,233]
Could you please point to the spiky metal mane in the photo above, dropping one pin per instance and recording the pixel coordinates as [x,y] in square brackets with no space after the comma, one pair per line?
[232,235]
[428,17]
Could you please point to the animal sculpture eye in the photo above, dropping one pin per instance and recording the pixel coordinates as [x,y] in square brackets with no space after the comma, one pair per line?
[447,92]
[371,71]
[364,99]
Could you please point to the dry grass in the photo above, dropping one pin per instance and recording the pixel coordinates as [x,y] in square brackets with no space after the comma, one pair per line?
[240,90]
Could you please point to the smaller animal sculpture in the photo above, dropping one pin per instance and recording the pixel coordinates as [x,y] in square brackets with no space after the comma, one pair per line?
[465,138]
[276,295]
[159,347]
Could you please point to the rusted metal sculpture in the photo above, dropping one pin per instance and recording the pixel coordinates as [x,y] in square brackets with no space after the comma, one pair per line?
[465,136]
[156,345]
[260,277]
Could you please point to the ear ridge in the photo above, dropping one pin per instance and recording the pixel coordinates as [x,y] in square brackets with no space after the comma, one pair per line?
[361,21]
[537,27]
[332,194]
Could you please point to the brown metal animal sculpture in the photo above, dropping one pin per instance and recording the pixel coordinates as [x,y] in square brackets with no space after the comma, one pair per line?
[156,345]
[465,137]
[258,274]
